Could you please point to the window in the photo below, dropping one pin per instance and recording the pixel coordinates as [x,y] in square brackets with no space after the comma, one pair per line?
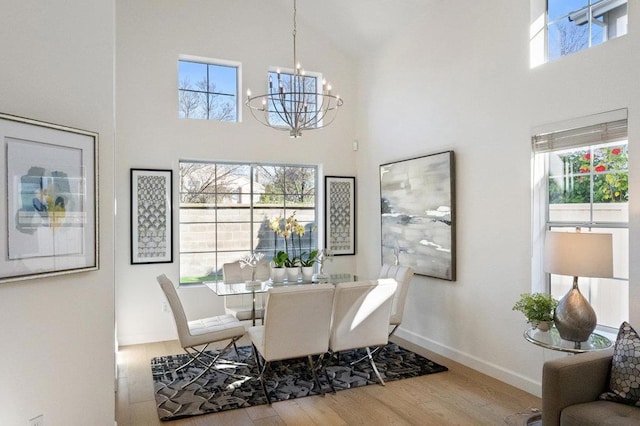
[574,25]
[225,210]
[306,84]
[208,91]
[582,181]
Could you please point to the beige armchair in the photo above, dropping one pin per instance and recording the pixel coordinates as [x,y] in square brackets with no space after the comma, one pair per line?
[570,389]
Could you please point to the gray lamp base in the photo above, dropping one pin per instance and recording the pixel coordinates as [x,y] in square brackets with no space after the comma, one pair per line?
[574,317]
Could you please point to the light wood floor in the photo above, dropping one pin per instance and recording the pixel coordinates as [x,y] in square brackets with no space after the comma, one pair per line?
[460,396]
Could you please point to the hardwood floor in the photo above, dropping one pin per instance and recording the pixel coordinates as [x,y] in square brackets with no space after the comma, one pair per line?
[460,396]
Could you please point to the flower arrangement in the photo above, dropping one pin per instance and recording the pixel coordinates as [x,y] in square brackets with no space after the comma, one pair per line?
[290,229]
[251,261]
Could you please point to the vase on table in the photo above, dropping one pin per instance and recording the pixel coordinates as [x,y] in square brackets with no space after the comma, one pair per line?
[278,274]
[307,273]
[292,274]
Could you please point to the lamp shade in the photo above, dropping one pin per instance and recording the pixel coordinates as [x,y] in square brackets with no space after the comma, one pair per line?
[578,254]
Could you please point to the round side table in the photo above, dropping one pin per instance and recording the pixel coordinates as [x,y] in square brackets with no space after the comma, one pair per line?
[551,340]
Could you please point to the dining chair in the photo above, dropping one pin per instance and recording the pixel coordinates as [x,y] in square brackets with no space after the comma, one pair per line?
[242,305]
[196,335]
[296,324]
[360,319]
[402,275]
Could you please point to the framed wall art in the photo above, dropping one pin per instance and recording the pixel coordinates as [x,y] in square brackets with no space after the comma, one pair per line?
[340,209]
[151,216]
[417,204]
[49,223]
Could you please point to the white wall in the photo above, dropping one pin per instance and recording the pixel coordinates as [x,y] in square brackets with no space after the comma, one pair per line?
[469,88]
[57,334]
[151,35]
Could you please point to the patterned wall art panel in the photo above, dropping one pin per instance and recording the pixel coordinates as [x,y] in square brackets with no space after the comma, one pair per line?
[151,216]
[49,220]
[340,208]
[417,204]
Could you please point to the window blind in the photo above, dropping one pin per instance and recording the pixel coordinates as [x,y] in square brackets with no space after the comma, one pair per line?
[582,136]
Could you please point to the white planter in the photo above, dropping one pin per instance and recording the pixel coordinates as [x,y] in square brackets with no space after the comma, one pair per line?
[278,274]
[292,274]
[307,273]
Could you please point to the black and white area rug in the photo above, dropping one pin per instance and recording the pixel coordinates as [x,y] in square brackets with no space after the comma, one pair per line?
[239,387]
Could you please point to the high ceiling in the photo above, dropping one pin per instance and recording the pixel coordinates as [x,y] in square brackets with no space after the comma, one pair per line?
[356,25]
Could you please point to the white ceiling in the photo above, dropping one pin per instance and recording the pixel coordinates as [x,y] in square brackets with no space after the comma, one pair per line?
[356,25]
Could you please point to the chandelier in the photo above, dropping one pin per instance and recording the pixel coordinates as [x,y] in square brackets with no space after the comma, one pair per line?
[294,102]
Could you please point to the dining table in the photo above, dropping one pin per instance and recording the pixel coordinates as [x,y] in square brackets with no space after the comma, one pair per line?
[253,288]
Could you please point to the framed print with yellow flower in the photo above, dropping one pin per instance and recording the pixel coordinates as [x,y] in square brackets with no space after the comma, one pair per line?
[49,180]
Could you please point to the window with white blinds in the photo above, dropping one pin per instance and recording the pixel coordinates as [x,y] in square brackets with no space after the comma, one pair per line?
[581,180]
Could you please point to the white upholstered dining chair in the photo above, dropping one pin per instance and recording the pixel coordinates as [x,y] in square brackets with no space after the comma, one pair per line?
[296,324]
[360,319]
[241,305]
[402,275]
[196,335]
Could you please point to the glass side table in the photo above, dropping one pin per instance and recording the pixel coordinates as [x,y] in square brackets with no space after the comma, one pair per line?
[551,340]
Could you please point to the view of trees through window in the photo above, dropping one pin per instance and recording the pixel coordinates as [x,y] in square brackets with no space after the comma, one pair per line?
[225,209]
[574,25]
[207,91]
[588,187]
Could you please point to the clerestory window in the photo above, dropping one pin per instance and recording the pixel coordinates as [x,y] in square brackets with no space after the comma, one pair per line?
[208,90]
[569,26]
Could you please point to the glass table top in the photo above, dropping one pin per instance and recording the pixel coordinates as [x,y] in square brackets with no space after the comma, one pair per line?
[228,289]
[551,340]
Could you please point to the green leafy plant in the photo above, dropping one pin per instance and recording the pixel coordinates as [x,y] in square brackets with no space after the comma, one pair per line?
[280,259]
[536,307]
[310,259]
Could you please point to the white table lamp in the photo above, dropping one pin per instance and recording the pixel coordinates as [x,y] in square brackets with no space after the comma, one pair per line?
[577,254]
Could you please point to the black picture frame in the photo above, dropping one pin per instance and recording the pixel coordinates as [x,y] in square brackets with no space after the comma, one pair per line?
[151,216]
[340,215]
[418,214]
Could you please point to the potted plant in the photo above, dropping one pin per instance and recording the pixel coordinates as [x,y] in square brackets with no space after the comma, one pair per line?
[307,261]
[278,268]
[537,308]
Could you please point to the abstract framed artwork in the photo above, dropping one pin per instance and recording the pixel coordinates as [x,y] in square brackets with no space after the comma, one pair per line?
[151,216]
[339,215]
[417,204]
[49,223]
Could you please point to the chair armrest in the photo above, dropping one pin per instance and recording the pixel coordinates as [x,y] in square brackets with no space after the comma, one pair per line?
[572,380]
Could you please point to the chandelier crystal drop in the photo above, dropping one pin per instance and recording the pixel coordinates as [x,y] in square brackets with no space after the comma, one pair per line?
[294,102]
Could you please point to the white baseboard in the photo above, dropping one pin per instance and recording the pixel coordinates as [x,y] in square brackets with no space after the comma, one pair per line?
[510,377]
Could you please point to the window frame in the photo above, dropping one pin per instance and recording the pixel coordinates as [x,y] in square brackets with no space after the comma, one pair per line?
[215,62]
[540,23]
[541,222]
[284,208]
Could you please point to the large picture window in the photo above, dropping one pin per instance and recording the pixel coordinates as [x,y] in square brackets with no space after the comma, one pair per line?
[225,209]
[583,183]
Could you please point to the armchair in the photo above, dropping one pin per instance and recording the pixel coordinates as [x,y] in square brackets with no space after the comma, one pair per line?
[570,390]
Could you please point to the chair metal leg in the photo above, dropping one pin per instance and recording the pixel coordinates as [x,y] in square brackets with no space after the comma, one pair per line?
[261,370]
[207,366]
[192,358]
[315,375]
[373,364]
